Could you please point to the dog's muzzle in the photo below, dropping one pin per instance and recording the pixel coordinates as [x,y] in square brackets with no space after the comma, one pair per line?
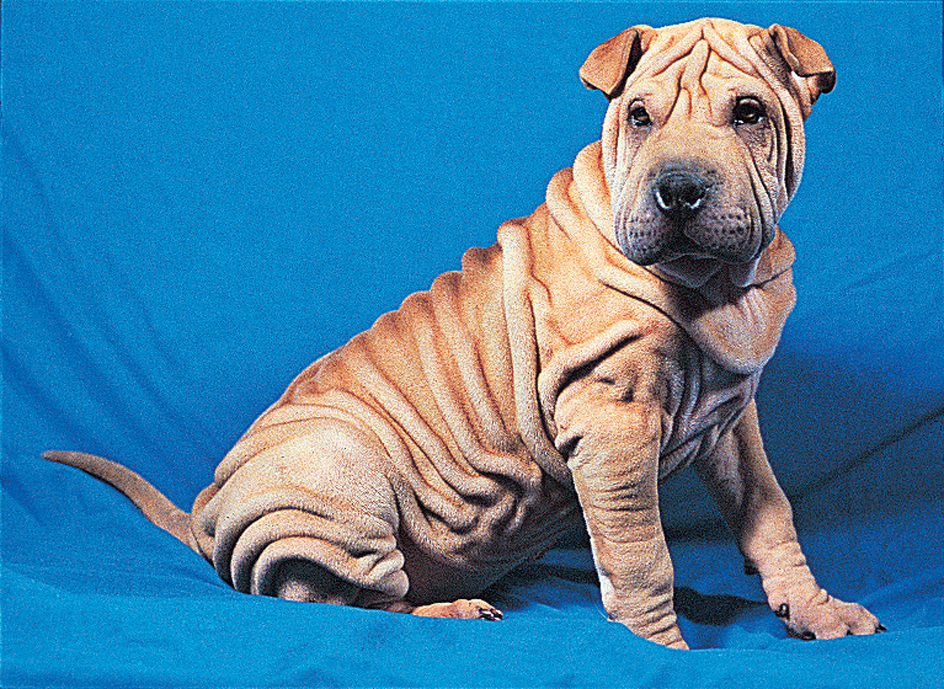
[686,211]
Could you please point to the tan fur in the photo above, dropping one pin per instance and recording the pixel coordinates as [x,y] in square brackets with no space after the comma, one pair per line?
[553,379]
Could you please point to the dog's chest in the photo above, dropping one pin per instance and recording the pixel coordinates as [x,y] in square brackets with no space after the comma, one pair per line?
[702,404]
[636,357]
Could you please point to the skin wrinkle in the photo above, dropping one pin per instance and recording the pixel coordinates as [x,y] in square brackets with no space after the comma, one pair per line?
[756,178]
[413,428]
[366,419]
[523,345]
[443,392]
[728,53]
[461,478]
[786,90]
[690,80]
[734,82]
[389,397]
[238,545]
[699,438]
[483,409]
[778,128]
[259,534]
[665,52]
[408,464]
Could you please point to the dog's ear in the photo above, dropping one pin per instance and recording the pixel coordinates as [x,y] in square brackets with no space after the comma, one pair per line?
[610,63]
[806,58]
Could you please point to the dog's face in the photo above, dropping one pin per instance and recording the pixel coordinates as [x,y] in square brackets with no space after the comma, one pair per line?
[697,170]
[703,141]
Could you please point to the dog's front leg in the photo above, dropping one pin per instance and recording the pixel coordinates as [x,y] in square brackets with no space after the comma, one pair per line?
[759,514]
[613,453]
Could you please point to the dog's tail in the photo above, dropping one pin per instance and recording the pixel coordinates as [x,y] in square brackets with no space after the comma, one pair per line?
[154,504]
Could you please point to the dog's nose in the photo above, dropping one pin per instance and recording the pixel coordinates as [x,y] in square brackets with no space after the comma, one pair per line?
[679,194]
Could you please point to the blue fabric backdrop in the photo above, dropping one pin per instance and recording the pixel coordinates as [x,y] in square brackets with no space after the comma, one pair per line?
[201,198]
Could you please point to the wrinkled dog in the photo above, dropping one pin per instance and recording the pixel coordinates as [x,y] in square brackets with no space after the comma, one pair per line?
[606,341]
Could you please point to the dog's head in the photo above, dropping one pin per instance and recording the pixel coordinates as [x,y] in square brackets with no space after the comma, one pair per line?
[703,140]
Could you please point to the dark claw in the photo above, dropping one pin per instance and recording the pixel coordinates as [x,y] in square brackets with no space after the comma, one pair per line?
[783,612]
[881,628]
[807,635]
[749,568]
[489,614]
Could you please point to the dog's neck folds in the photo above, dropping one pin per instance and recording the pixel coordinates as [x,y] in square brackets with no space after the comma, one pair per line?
[737,326]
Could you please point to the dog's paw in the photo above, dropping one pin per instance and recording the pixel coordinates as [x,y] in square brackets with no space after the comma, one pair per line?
[465,609]
[818,615]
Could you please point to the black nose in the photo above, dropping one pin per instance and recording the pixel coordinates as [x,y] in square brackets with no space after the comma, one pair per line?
[680,195]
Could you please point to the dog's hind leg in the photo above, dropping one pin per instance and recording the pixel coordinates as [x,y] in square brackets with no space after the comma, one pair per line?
[303,580]
[464,608]
[307,582]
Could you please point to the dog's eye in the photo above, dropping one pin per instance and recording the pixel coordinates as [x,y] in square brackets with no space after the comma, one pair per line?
[639,116]
[748,111]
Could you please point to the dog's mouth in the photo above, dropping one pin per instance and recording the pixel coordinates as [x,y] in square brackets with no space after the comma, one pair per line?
[689,271]
[663,242]
[666,248]
[695,271]
[687,234]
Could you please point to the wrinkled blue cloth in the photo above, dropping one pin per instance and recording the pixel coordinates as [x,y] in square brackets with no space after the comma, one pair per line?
[201,198]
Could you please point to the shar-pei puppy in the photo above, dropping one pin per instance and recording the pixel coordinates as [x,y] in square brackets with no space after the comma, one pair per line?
[606,341]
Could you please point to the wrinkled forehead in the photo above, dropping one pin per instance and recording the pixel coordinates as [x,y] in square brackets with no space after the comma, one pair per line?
[700,57]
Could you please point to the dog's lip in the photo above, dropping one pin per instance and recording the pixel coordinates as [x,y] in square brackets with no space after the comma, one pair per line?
[688,270]
[695,271]
[679,247]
